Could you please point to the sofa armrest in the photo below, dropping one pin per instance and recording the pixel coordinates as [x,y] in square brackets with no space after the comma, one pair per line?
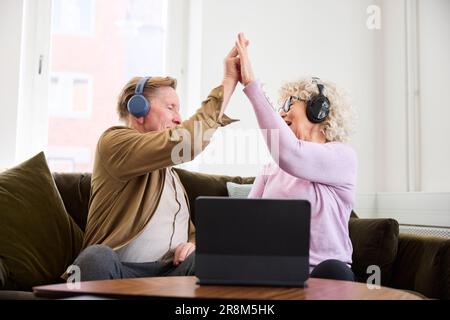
[423,265]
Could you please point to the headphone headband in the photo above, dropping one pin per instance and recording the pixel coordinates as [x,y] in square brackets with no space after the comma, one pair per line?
[141,84]
[319,84]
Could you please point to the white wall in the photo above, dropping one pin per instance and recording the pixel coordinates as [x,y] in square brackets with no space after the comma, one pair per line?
[11,13]
[433,74]
[434,68]
[288,42]
[291,39]
[391,127]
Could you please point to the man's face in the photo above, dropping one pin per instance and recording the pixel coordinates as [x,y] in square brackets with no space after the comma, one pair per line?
[164,112]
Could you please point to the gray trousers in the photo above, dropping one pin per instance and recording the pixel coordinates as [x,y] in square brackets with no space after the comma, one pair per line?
[100,262]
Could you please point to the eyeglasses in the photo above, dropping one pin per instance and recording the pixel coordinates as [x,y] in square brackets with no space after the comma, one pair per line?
[288,104]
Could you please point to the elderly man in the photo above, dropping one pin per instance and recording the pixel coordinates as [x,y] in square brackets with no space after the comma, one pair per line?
[139,223]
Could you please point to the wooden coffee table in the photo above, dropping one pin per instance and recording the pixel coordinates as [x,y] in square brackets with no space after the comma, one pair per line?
[187,288]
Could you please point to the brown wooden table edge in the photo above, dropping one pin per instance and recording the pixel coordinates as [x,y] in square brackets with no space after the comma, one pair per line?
[64,291]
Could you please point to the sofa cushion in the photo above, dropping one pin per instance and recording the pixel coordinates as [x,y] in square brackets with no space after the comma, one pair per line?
[38,239]
[236,190]
[375,243]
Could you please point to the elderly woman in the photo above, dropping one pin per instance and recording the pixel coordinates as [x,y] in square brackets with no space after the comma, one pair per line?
[314,163]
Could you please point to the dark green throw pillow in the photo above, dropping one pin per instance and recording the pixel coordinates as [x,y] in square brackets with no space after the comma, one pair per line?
[375,243]
[38,239]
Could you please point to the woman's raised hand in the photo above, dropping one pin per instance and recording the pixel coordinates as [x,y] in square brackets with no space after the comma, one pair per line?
[247,75]
[231,72]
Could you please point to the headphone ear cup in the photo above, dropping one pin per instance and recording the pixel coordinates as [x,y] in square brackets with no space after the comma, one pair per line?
[317,109]
[138,106]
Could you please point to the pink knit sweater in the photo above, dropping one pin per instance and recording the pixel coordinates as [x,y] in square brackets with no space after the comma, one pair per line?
[324,174]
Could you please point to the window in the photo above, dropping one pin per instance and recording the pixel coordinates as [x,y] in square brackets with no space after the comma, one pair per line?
[70,95]
[65,159]
[74,17]
[88,70]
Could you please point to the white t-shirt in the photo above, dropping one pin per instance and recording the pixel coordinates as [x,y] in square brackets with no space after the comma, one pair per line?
[167,228]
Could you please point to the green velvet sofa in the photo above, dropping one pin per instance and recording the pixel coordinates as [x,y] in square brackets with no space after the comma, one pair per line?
[408,262]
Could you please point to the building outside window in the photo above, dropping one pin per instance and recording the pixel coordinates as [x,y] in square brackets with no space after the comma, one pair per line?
[96,47]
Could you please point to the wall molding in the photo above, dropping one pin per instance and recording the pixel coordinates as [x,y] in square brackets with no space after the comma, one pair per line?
[366,205]
[414,208]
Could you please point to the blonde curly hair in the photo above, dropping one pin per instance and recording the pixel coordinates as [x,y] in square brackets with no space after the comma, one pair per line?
[340,123]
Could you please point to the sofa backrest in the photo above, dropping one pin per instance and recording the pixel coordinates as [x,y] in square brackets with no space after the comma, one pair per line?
[423,265]
[75,189]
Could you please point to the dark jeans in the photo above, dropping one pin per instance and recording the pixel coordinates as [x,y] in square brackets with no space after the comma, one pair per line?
[333,269]
[100,262]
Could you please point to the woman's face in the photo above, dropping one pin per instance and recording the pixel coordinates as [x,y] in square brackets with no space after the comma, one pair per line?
[296,118]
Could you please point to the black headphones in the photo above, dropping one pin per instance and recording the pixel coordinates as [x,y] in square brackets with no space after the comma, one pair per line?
[318,108]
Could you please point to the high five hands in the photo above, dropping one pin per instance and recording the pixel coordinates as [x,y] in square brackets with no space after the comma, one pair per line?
[237,66]
[246,71]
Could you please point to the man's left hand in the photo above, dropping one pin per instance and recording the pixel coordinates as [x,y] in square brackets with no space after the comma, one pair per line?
[182,251]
